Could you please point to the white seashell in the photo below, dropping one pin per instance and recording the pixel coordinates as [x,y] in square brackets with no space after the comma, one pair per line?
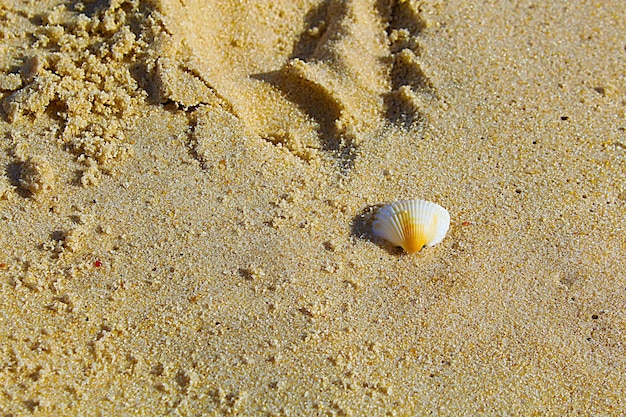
[412,224]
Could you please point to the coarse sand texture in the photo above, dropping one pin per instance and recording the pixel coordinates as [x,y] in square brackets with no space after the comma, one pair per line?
[191,191]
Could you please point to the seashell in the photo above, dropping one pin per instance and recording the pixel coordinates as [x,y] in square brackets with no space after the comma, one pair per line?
[412,224]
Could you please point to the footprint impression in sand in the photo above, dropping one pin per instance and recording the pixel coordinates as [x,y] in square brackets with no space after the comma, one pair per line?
[316,88]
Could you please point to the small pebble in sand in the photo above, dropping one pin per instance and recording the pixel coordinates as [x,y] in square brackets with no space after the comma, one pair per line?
[412,224]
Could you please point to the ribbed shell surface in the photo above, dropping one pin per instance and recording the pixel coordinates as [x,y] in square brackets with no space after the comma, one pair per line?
[412,224]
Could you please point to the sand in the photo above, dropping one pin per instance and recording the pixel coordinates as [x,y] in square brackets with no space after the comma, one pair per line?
[188,188]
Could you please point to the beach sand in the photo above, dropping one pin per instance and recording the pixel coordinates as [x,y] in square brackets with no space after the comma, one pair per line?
[188,188]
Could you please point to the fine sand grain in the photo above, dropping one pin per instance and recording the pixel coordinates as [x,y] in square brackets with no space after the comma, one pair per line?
[188,188]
